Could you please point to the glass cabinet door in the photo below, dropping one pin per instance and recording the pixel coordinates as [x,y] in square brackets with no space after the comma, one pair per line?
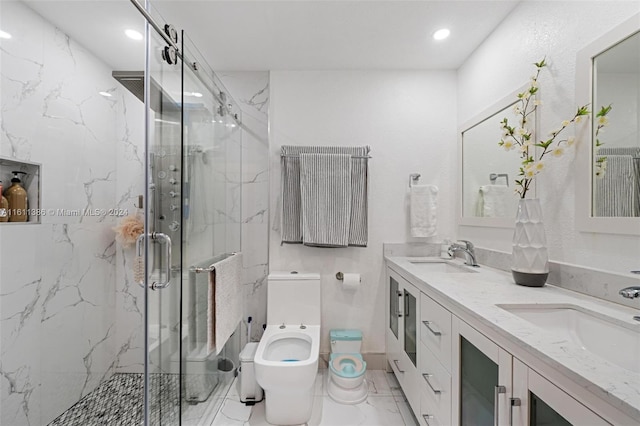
[393,306]
[478,380]
[542,403]
[410,326]
[541,414]
[484,379]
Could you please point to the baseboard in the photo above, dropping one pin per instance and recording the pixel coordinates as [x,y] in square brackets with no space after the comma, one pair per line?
[374,360]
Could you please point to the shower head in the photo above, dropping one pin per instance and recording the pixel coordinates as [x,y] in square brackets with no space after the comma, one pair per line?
[134,82]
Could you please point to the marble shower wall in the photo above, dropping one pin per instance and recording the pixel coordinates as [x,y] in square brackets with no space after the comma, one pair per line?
[251,91]
[62,280]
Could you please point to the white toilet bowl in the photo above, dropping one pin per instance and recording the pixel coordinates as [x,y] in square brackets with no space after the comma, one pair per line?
[286,361]
[286,365]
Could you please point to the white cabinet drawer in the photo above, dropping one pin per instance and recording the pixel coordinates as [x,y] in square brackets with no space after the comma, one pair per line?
[428,415]
[435,329]
[435,384]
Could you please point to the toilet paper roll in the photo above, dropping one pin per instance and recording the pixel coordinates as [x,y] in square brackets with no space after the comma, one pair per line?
[351,281]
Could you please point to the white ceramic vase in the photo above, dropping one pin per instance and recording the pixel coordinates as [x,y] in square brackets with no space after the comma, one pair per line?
[530,261]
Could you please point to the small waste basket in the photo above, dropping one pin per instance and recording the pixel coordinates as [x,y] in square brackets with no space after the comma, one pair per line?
[249,390]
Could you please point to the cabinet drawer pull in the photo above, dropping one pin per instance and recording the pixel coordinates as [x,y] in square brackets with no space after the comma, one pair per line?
[400,303]
[395,361]
[426,418]
[435,332]
[496,407]
[426,379]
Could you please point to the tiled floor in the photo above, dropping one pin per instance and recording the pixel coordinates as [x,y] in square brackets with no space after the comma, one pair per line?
[118,401]
[385,406]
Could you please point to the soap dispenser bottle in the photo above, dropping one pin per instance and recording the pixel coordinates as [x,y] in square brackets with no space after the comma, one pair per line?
[4,206]
[17,198]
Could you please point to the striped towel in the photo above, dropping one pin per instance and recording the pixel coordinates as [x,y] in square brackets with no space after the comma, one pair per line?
[616,192]
[325,189]
[292,201]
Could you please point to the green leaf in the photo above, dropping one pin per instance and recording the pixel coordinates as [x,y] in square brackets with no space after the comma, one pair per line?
[604,111]
[583,110]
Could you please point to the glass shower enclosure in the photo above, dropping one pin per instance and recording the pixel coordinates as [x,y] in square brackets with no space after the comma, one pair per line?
[131,153]
[192,221]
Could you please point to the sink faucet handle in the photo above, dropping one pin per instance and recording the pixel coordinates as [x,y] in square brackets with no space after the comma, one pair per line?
[468,244]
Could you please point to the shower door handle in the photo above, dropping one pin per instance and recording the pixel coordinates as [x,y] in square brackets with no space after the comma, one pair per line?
[161,238]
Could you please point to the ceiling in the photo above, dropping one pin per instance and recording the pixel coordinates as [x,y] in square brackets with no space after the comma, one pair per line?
[291,35]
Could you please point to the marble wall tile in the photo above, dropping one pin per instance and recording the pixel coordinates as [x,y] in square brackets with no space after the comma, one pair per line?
[59,279]
[251,91]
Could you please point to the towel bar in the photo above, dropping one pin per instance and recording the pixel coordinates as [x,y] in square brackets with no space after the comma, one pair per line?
[211,267]
[298,155]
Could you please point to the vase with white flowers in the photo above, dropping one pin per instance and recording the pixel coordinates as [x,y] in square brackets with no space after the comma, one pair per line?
[530,265]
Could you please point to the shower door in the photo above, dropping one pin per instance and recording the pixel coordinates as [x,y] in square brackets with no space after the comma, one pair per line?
[163,228]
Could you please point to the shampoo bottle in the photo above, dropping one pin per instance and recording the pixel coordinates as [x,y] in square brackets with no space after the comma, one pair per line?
[4,206]
[17,198]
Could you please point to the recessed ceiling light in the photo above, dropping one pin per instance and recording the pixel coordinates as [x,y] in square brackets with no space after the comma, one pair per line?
[133,34]
[105,94]
[194,94]
[4,35]
[441,34]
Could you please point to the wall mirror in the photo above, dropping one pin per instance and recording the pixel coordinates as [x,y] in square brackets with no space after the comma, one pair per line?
[608,73]
[488,170]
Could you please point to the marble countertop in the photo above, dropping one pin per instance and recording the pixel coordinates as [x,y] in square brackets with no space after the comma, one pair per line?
[475,296]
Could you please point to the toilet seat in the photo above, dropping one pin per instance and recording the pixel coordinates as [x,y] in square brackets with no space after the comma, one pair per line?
[349,366]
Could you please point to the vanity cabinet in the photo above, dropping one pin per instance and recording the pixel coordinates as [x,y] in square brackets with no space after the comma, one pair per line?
[452,374]
[543,403]
[403,316]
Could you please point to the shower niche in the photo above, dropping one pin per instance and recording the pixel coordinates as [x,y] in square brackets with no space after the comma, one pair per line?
[29,174]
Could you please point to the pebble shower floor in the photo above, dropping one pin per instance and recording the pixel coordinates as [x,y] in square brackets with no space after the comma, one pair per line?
[118,401]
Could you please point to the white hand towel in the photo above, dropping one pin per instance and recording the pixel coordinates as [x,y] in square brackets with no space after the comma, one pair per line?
[423,208]
[225,301]
[495,201]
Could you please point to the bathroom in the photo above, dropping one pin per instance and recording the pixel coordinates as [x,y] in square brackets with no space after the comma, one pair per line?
[72,317]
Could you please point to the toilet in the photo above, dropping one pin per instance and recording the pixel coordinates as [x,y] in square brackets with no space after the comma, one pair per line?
[286,361]
[346,383]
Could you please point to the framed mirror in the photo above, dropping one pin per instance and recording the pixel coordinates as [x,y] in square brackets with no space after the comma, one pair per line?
[608,163]
[488,170]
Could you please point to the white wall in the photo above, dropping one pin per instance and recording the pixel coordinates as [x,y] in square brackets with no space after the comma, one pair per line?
[408,119]
[501,64]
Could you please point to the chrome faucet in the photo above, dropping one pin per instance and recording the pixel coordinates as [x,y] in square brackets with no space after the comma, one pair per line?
[468,250]
[630,292]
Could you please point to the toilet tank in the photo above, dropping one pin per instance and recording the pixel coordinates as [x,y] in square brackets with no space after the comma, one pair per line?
[345,341]
[293,298]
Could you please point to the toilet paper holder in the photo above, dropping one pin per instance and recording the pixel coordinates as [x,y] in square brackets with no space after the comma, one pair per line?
[339,276]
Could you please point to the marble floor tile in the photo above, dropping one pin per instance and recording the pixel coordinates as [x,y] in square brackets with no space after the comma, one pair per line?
[393,383]
[385,406]
[382,411]
[378,383]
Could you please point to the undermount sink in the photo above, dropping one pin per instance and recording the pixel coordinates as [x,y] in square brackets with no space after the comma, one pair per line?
[614,340]
[440,265]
